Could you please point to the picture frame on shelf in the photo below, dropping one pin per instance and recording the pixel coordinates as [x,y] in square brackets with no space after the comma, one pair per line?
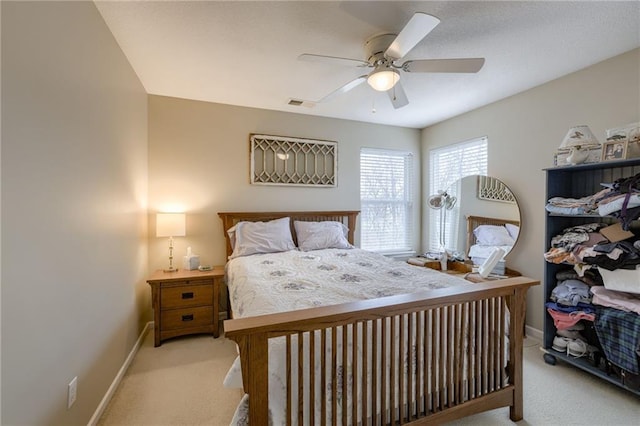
[614,150]
[629,133]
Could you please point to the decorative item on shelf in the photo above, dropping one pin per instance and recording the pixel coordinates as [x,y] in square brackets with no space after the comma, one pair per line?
[170,225]
[629,136]
[442,201]
[614,150]
[578,146]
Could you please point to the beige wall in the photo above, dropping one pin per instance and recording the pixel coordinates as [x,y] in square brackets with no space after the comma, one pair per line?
[526,129]
[74,188]
[199,163]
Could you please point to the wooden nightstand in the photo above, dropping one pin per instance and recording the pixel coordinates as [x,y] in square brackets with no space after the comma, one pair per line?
[185,302]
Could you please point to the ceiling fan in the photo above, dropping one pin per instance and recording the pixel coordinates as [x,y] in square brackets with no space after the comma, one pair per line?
[383,53]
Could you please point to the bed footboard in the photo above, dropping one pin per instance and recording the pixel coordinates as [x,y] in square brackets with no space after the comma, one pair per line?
[423,358]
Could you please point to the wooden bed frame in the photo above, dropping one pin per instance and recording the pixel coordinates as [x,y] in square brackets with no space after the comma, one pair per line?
[438,386]
[474,221]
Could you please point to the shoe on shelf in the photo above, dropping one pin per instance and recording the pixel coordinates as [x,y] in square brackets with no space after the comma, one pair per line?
[560,344]
[570,334]
[578,348]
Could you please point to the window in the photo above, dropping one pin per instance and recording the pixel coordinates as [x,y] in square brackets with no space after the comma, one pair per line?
[446,166]
[386,201]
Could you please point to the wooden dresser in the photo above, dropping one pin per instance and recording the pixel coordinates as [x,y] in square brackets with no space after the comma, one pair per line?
[185,302]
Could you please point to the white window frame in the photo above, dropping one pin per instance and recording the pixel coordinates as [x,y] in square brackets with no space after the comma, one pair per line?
[447,165]
[396,240]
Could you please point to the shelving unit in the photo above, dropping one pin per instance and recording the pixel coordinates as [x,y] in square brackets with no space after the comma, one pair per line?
[576,182]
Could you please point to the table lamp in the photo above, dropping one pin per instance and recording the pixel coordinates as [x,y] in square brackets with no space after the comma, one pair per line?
[170,225]
[578,141]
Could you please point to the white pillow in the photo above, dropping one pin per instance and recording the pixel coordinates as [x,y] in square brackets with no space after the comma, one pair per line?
[493,235]
[513,230]
[261,237]
[321,235]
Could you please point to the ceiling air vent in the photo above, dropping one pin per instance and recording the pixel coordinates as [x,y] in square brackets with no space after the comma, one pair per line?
[300,102]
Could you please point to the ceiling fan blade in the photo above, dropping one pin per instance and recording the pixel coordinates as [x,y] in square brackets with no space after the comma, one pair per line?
[397,96]
[468,65]
[416,29]
[310,57]
[345,88]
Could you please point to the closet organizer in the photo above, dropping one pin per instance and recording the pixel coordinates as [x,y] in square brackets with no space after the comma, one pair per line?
[577,182]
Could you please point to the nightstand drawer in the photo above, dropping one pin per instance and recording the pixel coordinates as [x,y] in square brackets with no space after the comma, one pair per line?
[188,317]
[187,295]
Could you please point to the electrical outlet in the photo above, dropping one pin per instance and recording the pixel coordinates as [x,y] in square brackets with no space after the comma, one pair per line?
[72,392]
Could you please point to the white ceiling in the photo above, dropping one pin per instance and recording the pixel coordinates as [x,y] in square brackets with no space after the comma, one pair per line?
[245,52]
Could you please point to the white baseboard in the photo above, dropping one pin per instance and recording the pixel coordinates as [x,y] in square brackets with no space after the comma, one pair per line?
[116,381]
[533,333]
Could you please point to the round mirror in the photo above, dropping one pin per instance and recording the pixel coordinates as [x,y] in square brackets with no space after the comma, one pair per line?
[484,216]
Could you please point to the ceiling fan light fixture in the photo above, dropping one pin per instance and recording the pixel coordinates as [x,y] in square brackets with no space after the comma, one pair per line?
[383,78]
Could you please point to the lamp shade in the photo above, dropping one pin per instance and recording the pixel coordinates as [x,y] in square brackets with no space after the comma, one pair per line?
[579,136]
[170,225]
[383,78]
[442,200]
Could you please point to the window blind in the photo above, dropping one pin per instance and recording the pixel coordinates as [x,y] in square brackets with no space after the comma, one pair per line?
[446,166]
[386,200]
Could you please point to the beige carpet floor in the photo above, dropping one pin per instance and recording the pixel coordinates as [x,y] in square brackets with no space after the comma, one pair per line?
[180,383]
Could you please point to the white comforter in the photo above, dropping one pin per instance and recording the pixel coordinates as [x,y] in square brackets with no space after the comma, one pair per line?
[278,282]
[270,283]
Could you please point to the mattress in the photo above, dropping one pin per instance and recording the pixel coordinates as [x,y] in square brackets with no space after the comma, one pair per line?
[278,282]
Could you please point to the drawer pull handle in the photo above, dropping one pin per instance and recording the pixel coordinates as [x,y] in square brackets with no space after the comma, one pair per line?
[187,317]
[188,295]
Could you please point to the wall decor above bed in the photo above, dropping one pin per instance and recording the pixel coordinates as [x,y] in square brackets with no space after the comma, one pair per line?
[281,160]
[493,189]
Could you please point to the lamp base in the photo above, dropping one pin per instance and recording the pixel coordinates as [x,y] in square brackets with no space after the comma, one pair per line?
[172,269]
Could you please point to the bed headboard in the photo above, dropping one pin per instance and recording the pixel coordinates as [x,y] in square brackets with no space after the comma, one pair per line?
[346,217]
[474,221]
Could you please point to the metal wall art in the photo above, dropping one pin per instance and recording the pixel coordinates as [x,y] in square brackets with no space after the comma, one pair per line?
[279,160]
[492,189]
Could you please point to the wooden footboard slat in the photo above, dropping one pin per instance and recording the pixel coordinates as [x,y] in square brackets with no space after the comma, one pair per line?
[412,363]
[393,403]
[402,357]
[343,374]
[334,376]
[364,407]
[493,344]
[420,363]
[464,343]
[441,352]
[503,316]
[312,378]
[451,351]
[289,380]
[374,368]
[410,360]
[457,348]
[323,377]
[500,340]
[383,372]
[478,350]
[354,371]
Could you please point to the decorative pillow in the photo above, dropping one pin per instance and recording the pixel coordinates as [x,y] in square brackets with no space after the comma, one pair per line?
[261,237]
[321,235]
[493,235]
[513,230]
